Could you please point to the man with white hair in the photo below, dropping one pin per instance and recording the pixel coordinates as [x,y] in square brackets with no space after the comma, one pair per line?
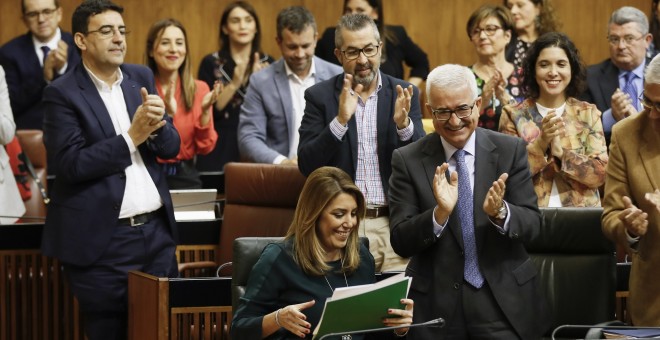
[631,206]
[451,212]
[615,84]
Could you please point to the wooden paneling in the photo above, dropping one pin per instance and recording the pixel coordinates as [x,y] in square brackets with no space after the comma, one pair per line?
[438,26]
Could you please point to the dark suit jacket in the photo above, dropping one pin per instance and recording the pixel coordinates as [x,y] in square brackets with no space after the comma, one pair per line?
[90,161]
[319,147]
[401,50]
[25,78]
[602,81]
[437,263]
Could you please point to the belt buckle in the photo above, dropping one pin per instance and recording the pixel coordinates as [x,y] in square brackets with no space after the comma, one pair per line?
[133,222]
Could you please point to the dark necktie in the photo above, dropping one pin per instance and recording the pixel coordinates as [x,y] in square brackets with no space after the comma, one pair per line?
[45,49]
[465,212]
[631,90]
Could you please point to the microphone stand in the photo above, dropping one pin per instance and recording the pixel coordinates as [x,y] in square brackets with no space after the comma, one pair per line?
[28,165]
[439,322]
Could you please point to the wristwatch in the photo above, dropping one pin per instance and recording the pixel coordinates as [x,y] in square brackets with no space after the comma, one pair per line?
[501,212]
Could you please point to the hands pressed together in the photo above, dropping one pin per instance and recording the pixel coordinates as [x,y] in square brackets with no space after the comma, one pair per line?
[446,194]
[622,105]
[148,117]
[552,128]
[55,60]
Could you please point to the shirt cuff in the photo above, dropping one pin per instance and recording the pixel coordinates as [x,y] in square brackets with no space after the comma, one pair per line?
[63,69]
[337,129]
[631,240]
[279,159]
[608,120]
[406,133]
[129,142]
[437,227]
[505,227]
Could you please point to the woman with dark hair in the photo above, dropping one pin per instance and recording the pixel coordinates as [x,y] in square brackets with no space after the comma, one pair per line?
[187,100]
[498,82]
[290,282]
[565,140]
[239,56]
[398,48]
[532,18]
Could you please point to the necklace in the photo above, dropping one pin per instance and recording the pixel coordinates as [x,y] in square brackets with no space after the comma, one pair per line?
[345,280]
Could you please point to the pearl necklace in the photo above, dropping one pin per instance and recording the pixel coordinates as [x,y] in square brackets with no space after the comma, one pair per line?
[345,280]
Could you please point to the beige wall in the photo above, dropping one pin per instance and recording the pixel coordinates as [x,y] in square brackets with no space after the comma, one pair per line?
[438,26]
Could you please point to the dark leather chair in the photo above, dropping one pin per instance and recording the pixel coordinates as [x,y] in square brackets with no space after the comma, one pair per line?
[577,267]
[247,251]
[33,146]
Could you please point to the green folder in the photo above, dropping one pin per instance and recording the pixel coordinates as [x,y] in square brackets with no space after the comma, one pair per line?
[362,307]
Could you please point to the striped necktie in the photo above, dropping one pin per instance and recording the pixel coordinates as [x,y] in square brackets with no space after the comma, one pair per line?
[631,90]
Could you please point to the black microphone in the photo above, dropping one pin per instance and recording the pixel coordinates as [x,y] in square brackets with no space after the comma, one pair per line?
[604,328]
[439,322]
[23,158]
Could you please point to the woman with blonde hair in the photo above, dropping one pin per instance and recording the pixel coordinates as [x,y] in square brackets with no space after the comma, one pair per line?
[288,286]
[186,99]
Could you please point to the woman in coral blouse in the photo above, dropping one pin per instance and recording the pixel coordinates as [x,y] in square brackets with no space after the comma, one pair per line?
[189,101]
[566,144]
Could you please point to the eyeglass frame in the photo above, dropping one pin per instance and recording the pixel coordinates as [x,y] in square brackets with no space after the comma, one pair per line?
[628,39]
[46,13]
[109,34]
[644,100]
[476,32]
[361,51]
[438,111]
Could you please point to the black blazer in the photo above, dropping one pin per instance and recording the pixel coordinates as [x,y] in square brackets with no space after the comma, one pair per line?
[90,160]
[25,78]
[319,147]
[602,81]
[436,263]
[403,49]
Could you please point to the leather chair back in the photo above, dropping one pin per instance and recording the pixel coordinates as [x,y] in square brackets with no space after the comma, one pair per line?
[33,146]
[577,266]
[247,251]
[260,200]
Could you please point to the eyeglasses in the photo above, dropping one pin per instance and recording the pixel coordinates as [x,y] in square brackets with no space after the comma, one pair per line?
[46,13]
[489,29]
[368,51]
[628,39]
[461,112]
[109,31]
[648,104]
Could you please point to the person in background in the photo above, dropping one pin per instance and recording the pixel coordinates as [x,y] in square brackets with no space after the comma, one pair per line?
[187,100]
[631,206]
[355,120]
[275,102]
[654,30]
[564,136]
[288,286]
[615,84]
[12,206]
[489,30]
[398,49]
[110,209]
[36,58]
[238,58]
[531,19]
[462,205]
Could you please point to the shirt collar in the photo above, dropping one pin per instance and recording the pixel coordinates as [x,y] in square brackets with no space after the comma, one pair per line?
[469,147]
[52,43]
[638,71]
[100,84]
[289,72]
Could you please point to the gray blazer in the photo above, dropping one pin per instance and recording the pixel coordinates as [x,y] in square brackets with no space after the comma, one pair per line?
[266,122]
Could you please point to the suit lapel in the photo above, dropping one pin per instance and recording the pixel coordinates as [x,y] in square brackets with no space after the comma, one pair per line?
[93,98]
[648,152]
[132,95]
[284,91]
[385,106]
[607,86]
[485,172]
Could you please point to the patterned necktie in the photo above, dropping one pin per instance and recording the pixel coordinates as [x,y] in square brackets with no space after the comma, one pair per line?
[471,270]
[630,89]
[45,49]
